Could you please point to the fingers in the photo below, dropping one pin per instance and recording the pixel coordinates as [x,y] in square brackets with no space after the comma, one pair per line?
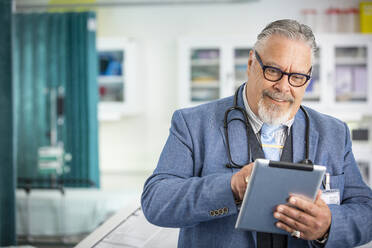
[242,186]
[311,219]
[318,195]
[242,192]
[290,229]
[319,201]
[307,205]
[239,183]
[293,217]
[304,204]
[247,169]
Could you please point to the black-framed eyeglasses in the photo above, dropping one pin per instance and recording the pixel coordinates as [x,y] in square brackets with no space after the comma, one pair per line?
[274,74]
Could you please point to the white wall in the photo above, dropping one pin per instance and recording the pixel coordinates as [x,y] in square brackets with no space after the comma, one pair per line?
[134,143]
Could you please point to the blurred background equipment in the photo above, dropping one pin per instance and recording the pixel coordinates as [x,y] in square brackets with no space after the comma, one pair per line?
[7,141]
[55,81]
[55,68]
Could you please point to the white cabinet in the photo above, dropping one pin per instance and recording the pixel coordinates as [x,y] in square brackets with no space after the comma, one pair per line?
[341,84]
[364,160]
[362,146]
[206,68]
[345,75]
[116,79]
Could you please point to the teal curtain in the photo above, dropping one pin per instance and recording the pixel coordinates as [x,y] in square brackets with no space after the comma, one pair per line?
[7,151]
[55,53]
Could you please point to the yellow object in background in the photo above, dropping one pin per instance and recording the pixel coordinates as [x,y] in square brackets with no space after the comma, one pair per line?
[365,17]
[51,2]
[69,2]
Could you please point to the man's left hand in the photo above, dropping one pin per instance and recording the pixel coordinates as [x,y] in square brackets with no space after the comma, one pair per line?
[312,219]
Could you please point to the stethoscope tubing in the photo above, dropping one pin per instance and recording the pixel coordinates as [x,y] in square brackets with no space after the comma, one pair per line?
[231,163]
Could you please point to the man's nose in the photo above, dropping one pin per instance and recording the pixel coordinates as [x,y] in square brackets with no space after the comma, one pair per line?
[283,84]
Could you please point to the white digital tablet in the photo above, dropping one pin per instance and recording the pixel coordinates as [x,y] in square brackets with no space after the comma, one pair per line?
[270,184]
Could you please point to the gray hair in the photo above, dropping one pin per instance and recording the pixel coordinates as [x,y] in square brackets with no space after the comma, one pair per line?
[290,29]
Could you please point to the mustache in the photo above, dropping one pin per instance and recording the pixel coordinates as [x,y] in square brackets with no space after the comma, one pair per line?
[278,96]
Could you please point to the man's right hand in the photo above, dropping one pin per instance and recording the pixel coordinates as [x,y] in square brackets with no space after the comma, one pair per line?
[239,183]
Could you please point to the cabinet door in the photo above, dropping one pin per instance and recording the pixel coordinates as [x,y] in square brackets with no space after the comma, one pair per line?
[364,160]
[111,79]
[211,68]
[116,80]
[241,56]
[204,74]
[351,74]
[313,90]
[365,170]
[345,76]
[200,71]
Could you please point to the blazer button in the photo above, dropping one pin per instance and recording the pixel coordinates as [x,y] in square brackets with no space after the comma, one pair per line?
[216,212]
[220,211]
[211,213]
[225,210]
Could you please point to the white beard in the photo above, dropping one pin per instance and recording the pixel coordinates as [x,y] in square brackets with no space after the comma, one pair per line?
[272,114]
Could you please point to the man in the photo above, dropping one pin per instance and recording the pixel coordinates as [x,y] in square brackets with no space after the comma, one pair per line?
[193,189]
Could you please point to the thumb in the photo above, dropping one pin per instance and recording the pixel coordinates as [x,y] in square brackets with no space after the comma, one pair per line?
[319,194]
[318,197]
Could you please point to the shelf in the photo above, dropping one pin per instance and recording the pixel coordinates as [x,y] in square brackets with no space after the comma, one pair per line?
[311,97]
[205,62]
[241,61]
[205,84]
[350,61]
[110,79]
[315,99]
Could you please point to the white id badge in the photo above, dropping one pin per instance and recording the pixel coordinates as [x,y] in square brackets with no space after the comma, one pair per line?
[331,196]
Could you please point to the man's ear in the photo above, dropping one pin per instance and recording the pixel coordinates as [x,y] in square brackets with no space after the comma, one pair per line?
[250,62]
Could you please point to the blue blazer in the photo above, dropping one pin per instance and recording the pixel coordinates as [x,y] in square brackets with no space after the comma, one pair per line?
[190,187]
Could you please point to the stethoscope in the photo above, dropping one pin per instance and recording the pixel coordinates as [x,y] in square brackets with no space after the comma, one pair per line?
[231,163]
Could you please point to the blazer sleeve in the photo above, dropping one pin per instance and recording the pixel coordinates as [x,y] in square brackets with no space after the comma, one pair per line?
[352,219]
[174,196]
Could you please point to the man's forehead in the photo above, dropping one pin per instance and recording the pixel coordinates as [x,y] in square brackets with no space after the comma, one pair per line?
[282,52]
[280,42]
